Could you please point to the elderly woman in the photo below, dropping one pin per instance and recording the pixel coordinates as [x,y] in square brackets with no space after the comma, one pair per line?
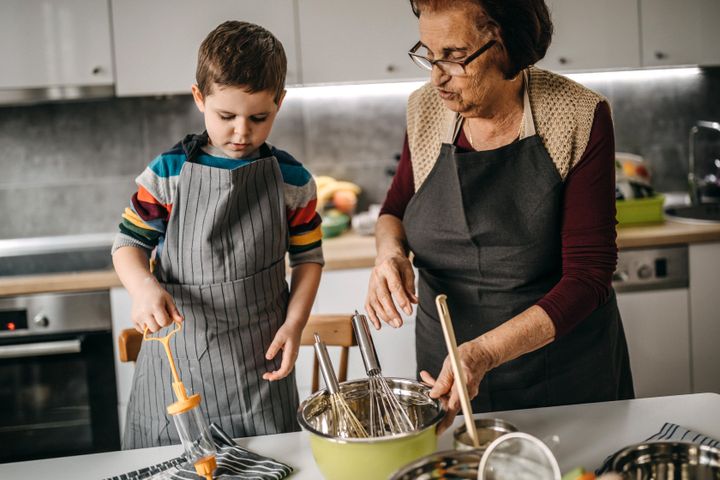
[505,196]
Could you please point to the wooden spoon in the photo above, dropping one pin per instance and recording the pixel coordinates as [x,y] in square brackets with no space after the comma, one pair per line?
[449,333]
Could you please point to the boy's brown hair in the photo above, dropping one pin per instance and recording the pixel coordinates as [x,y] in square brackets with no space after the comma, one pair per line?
[241,54]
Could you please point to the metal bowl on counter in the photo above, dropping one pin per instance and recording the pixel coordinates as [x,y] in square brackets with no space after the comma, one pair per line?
[488,429]
[373,457]
[445,465]
[667,461]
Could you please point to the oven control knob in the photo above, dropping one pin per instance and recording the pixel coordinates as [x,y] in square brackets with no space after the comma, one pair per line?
[41,320]
[645,272]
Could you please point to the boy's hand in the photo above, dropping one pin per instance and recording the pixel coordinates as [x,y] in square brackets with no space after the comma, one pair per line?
[286,339]
[153,307]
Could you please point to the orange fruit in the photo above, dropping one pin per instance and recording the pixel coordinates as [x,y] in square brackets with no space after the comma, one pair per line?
[345,201]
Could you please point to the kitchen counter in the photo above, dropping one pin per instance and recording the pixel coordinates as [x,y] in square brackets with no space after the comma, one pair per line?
[587,434]
[354,251]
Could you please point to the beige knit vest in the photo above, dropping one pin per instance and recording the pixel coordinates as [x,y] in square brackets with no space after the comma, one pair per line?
[563,112]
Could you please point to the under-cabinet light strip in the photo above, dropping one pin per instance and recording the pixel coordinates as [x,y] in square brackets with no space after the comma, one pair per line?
[404,88]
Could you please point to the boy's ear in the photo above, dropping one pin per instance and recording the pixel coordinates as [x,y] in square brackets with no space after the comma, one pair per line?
[198,97]
[282,97]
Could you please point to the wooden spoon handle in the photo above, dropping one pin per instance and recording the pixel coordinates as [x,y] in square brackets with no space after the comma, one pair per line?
[449,333]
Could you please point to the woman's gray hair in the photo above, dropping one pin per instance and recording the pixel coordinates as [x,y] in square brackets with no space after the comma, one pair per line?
[525,27]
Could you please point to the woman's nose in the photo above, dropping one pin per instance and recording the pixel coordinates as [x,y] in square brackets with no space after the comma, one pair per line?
[438,76]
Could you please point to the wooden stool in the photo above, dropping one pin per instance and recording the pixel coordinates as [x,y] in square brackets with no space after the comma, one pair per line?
[334,329]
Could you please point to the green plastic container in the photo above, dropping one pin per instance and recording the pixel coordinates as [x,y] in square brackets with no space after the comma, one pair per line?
[640,210]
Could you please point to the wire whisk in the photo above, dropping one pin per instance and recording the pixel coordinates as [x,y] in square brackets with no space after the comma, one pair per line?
[387,415]
[344,422]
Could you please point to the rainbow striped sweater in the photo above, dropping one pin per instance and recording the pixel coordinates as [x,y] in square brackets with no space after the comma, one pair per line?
[144,222]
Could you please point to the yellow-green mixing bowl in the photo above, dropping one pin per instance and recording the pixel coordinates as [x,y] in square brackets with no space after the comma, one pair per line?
[375,457]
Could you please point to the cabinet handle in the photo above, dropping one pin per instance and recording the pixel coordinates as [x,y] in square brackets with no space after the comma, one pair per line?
[97,70]
[563,60]
[390,68]
[660,55]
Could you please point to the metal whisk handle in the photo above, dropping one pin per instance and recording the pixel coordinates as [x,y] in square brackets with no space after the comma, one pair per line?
[365,343]
[326,367]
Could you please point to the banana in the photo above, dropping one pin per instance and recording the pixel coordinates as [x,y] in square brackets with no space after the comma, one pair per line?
[323,180]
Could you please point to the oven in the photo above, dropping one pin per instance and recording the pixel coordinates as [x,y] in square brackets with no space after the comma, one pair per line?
[57,378]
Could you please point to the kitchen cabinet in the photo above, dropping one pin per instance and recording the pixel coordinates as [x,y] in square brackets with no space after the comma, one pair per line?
[657,329]
[593,35]
[680,33]
[357,41]
[704,262]
[156,43]
[55,43]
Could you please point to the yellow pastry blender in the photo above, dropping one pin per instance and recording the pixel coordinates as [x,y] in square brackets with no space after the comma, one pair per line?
[191,426]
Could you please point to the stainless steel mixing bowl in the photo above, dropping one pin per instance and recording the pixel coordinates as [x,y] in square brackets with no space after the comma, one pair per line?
[667,461]
[445,465]
[375,457]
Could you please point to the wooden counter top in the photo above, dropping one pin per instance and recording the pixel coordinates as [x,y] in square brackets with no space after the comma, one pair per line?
[668,233]
[354,251]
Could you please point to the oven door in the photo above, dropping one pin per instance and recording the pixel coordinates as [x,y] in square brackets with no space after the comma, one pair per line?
[58,396]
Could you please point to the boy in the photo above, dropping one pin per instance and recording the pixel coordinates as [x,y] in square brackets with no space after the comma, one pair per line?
[220,210]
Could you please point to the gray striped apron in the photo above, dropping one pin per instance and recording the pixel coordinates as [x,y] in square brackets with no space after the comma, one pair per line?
[223,261]
[485,230]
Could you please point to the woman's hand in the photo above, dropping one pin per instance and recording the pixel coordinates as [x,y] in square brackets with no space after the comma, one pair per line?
[475,362]
[391,281]
[286,339]
[153,307]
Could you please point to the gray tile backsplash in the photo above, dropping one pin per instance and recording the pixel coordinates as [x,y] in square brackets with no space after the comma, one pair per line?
[69,167]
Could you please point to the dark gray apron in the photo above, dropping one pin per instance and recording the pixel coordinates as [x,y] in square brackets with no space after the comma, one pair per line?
[485,230]
[223,261]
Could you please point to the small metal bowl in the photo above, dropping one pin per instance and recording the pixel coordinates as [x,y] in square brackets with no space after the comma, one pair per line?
[445,465]
[488,429]
[667,461]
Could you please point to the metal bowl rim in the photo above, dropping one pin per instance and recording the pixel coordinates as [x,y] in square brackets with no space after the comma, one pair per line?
[434,457]
[386,438]
[491,422]
[615,457]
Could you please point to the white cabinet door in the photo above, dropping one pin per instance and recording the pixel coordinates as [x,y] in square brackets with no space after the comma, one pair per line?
[680,33]
[156,42]
[120,304]
[344,41]
[705,316]
[49,43]
[593,35]
[658,334]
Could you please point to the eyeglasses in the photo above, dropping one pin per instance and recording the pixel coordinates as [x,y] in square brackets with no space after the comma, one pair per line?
[453,68]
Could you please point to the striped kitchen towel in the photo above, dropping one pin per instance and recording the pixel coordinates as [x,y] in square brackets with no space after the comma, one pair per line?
[670,432]
[233,462]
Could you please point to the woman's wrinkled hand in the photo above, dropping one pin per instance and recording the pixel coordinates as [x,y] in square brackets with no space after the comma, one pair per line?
[475,362]
[392,282]
[286,339]
[153,307]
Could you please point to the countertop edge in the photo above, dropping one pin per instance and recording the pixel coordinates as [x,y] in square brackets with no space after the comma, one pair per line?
[350,251]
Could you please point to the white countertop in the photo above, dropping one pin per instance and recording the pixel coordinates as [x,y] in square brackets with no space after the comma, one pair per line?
[587,434]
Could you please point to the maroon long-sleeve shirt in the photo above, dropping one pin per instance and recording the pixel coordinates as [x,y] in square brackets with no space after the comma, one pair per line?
[589,252]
